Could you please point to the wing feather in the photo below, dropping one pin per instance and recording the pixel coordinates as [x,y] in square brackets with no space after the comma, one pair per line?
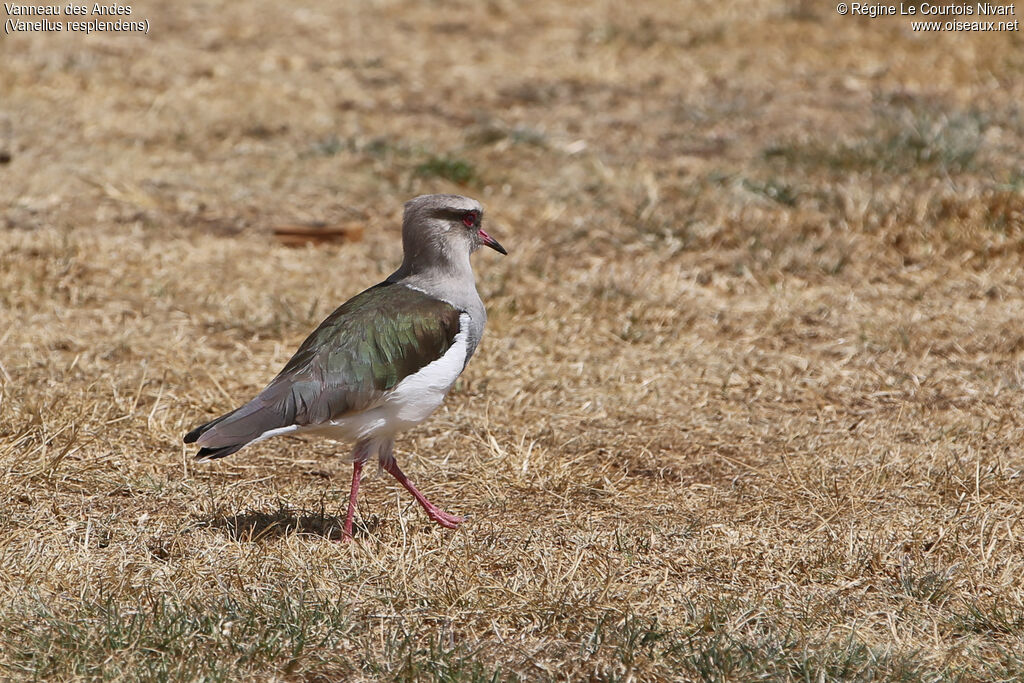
[360,352]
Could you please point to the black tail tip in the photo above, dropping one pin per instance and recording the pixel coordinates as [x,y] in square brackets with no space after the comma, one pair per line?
[216,453]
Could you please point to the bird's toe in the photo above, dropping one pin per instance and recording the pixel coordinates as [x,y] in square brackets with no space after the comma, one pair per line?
[445,519]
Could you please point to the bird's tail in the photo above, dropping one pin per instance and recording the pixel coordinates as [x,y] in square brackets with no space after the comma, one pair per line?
[208,453]
[259,419]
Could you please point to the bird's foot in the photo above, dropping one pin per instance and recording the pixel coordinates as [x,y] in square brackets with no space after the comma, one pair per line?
[445,519]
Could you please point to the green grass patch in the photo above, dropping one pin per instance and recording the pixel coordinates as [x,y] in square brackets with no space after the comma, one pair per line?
[166,639]
[303,636]
[901,142]
[457,170]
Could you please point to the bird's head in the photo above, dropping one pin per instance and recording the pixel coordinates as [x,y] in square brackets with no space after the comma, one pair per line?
[438,229]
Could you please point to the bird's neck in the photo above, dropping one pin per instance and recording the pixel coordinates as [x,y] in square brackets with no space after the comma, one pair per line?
[450,277]
[436,265]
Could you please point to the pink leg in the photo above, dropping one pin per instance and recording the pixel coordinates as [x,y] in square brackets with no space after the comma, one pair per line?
[357,468]
[443,518]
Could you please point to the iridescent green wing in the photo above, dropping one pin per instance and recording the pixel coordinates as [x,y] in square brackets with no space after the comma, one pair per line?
[366,347]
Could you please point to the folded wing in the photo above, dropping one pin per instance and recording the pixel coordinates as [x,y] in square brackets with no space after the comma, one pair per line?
[360,352]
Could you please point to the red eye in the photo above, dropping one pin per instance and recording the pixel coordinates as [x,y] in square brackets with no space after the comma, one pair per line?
[469,218]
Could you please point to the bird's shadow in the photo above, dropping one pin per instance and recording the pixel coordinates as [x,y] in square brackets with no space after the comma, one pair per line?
[258,525]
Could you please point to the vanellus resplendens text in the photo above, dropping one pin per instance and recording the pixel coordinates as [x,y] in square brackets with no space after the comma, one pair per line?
[384,360]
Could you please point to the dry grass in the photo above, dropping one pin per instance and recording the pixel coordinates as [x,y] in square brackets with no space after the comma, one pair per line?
[748,407]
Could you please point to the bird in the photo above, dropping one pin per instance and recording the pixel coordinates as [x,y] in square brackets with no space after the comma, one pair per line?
[384,360]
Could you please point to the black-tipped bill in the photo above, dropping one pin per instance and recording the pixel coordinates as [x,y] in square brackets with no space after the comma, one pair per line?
[491,242]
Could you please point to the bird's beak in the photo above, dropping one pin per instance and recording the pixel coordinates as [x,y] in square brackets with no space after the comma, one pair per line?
[491,242]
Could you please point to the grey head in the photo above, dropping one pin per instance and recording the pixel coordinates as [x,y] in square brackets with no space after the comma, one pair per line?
[439,232]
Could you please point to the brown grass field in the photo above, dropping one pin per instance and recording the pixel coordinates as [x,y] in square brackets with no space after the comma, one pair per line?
[749,402]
